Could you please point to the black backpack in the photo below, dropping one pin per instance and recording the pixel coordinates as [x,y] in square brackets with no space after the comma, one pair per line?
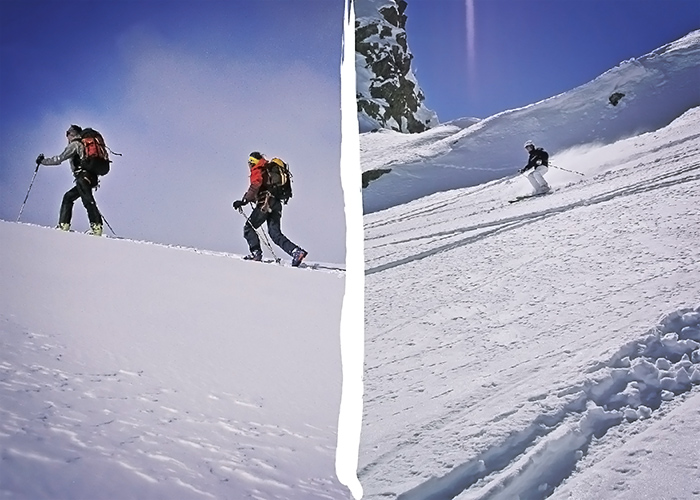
[96,158]
[279,179]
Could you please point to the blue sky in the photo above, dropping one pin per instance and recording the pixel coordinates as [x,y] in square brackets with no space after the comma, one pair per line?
[523,51]
[185,91]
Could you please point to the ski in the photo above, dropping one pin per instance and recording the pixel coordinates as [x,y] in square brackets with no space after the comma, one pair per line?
[264,261]
[527,197]
[277,261]
[304,265]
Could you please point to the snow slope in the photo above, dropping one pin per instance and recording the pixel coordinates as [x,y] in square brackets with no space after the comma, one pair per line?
[132,370]
[547,348]
[658,87]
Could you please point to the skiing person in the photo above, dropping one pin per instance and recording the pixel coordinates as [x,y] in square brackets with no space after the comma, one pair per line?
[267,209]
[85,182]
[536,168]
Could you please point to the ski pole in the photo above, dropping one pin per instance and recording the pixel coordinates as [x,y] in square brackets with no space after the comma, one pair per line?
[36,171]
[565,170]
[105,221]
[262,236]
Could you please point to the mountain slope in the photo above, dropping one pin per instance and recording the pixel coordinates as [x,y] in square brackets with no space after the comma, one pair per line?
[657,88]
[134,370]
[511,348]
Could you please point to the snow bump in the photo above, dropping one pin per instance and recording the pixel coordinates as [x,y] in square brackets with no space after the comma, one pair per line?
[663,365]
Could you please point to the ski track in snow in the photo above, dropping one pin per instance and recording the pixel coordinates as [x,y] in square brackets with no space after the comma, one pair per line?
[662,365]
[436,241]
[474,323]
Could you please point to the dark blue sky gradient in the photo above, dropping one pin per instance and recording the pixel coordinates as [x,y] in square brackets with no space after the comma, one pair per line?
[528,50]
[50,49]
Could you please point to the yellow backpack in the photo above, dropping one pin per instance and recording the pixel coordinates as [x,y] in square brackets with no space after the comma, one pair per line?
[279,180]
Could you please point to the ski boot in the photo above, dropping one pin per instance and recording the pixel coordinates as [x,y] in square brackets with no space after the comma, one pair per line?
[255,255]
[63,226]
[95,229]
[297,256]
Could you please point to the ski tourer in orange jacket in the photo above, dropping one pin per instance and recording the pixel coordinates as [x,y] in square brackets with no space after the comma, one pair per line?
[267,209]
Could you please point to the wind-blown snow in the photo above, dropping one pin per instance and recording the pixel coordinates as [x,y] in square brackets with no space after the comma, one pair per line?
[135,370]
[658,87]
[548,348]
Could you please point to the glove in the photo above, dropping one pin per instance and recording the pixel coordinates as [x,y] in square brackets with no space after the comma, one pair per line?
[539,162]
[39,159]
[522,170]
[238,204]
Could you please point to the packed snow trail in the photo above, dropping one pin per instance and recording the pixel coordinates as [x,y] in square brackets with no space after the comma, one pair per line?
[490,328]
[662,365]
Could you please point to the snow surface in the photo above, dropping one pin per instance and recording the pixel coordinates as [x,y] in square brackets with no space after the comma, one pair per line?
[131,370]
[547,348]
[658,87]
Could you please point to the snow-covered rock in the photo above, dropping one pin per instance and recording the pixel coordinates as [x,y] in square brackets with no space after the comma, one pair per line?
[388,94]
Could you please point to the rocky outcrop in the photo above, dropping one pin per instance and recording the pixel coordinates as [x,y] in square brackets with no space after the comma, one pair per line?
[388,94]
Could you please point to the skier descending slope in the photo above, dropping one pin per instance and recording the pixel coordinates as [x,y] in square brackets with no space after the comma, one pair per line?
[536,168]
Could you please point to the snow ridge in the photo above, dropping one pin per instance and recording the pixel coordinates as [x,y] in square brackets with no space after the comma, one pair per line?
[662,365]
[657,87]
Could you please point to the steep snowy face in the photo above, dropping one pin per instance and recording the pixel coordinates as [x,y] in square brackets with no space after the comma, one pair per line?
[638,95]
[388,94]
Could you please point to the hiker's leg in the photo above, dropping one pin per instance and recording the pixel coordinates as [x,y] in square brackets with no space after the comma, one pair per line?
[256,219]
[538,174]
[531,177]
[85,185]
[66,212]
[274,228]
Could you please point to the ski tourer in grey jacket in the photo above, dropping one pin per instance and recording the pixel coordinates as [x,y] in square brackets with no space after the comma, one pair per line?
[74,152]
[85,182]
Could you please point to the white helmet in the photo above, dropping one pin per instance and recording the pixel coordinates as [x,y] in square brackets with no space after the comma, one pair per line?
[529,143]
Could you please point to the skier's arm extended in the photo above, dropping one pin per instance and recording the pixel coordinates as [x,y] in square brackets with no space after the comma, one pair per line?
[71,150]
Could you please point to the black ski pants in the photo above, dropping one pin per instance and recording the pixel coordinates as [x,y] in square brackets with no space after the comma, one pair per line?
[274,227]
[83,190]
